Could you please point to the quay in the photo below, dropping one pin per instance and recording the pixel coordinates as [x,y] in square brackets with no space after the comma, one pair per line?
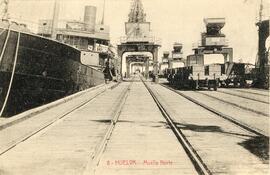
[120,129]
[74,100]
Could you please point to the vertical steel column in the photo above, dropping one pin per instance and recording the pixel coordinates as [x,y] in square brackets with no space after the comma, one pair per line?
[147,68]
[128,68]
[120,53]
[170,65]
[228,54]
[155,64]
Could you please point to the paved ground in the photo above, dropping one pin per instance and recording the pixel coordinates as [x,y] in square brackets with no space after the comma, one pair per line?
[12,134]
[141,142]
[224,147]
[248,94]
[255,91]
[67,146]
[258,121]
[246,104]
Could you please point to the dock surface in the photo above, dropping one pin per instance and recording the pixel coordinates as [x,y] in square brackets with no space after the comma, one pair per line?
[139,127]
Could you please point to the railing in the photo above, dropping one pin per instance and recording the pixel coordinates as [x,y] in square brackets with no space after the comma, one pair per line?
[126,39]
[224,43]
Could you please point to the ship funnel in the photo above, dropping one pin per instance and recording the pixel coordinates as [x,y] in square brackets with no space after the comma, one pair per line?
[90,18]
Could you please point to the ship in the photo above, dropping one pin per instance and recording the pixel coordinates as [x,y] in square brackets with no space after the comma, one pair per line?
[36,69]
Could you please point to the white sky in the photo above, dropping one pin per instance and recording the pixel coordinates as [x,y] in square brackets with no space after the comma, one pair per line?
[171,20]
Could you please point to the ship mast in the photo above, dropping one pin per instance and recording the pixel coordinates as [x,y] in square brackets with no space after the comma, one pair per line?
[55,19]
[258,61]
[4,13]
[102,21]
[260,12]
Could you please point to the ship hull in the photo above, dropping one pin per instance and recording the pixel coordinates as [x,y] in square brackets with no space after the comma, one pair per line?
[45,70]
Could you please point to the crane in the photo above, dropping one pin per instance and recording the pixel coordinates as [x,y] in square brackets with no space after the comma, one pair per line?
[262,61]
[136,16]
[136,12]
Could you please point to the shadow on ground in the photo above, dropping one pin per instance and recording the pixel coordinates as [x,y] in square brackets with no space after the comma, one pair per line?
[185,88]
[153,124]
[103,121]
[257,145]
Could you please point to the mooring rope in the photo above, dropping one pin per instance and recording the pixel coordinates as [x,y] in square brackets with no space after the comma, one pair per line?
[12,75]
[4,47]
[2,32]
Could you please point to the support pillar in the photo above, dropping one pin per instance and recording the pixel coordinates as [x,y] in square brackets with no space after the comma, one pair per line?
[95,45]
[170,63]
[146,69]
[120,53]
[128,69]
[228,54]
[131,69]
[155,65]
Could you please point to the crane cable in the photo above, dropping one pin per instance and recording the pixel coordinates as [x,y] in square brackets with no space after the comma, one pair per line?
[12,75]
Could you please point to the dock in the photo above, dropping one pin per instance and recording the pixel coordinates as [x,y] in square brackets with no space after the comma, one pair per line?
[139,127]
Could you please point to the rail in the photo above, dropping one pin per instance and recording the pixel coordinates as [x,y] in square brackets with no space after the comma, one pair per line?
[198,163]
[241,96]
[234,104]
[47,124]
[224,116]
[96,156]
[255,93]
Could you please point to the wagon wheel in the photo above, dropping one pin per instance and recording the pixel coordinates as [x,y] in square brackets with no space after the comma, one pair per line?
[216,85]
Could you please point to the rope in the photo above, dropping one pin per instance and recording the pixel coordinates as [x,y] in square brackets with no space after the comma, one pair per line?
[4,47]
[2,32]
[12,75]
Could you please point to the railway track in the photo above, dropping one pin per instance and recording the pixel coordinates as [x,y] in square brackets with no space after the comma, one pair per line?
[144,127]
[212,137]
[198,163]
[243,125]
[235,104]
[247,96]
[94,158]
[46,125]
[264,93]
[91,168]
[139,112]
[50,125]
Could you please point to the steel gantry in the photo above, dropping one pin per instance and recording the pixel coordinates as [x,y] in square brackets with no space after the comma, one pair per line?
[138,38]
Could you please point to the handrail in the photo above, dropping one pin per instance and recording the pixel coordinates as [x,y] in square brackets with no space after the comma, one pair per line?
[12,75]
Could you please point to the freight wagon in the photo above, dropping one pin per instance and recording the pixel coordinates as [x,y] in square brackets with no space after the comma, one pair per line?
[237,74]
[196,77]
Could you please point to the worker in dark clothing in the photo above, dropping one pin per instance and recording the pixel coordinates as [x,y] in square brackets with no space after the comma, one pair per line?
[107,72]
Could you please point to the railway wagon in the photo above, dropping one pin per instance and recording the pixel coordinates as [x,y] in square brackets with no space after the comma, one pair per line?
[237,74]
[169,74]
[196,76]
